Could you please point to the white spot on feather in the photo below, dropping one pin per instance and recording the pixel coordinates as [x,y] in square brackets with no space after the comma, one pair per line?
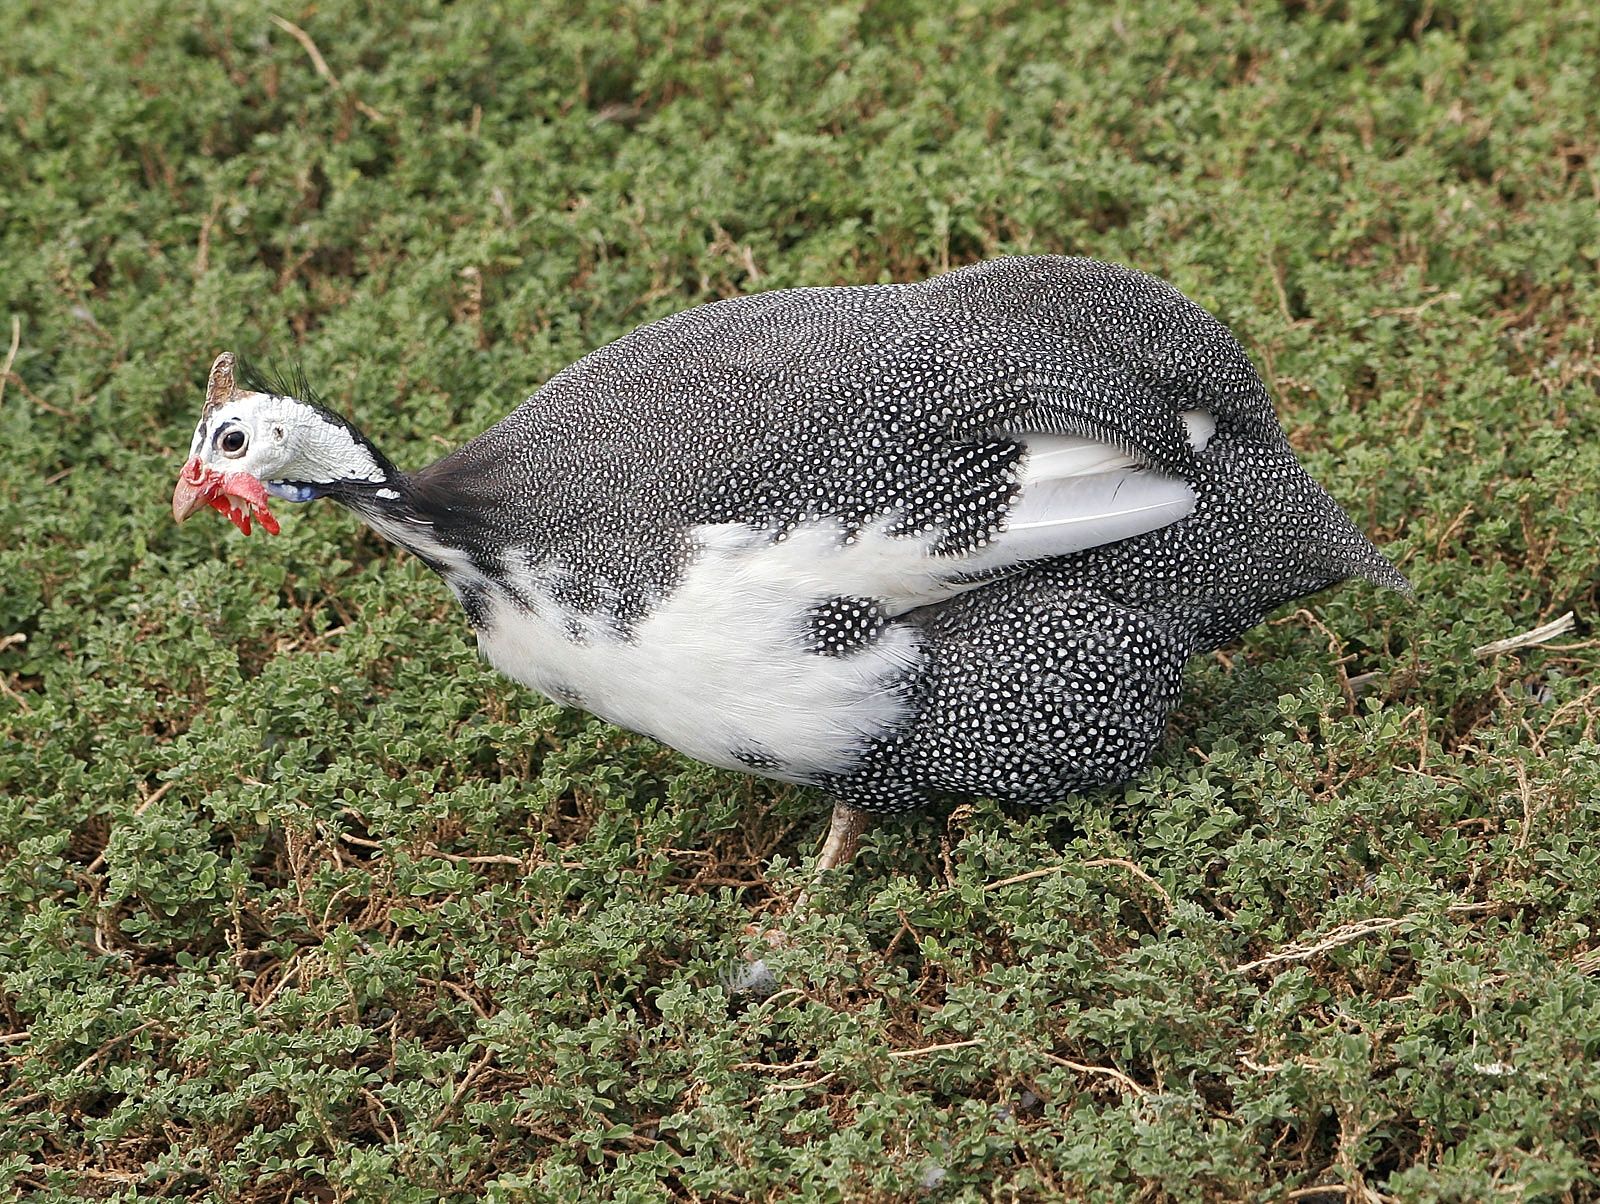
[1201,426]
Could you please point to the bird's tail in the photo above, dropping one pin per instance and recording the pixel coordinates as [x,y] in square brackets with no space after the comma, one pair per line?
[1345,549]
[1263,535]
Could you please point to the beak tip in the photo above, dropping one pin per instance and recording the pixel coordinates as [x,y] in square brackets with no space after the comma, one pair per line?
[186,499]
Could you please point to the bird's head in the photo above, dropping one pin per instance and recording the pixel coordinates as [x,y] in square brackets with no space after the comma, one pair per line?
[257,439]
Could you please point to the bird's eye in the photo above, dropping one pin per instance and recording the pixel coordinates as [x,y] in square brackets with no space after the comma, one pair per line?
[232,442]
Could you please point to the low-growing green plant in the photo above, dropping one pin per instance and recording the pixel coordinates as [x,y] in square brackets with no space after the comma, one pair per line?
[301,901]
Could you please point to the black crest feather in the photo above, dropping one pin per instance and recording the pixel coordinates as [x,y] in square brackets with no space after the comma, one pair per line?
[279,380]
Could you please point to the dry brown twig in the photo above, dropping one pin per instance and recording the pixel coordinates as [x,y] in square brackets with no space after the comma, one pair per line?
[321,65]
[1339,936]
[11,356]
[928,1049]
[1107,1072]
[810,1063]
[1539,635]
[1587,962]
[1357,929]
[106,1046]
[458,1093]
[431,851]
[150,800]
[1091,864]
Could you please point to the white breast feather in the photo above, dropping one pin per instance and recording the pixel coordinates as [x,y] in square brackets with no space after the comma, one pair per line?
[720,665]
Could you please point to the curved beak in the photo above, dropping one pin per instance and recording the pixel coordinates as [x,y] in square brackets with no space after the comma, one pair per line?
[193,490]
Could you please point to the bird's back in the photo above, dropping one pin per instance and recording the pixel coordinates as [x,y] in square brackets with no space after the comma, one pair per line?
[850,402]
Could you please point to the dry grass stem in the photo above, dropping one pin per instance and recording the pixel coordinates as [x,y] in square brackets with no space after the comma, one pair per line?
[321,64]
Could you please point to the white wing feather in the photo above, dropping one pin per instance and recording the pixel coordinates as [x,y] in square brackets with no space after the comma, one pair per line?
[1079,493]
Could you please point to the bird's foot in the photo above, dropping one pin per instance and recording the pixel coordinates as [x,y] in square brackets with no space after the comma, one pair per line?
[844,837]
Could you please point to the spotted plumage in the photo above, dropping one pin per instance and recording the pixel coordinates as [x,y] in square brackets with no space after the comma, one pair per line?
[843,626]
[900,542]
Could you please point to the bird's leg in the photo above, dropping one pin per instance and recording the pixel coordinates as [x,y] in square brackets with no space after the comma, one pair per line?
[844,837]
[839,849]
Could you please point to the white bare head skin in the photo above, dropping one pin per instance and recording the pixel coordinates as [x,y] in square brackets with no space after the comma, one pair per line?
[251,443]
[276,438]
[281,440]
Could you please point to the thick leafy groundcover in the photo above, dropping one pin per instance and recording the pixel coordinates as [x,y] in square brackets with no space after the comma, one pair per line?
[300,901]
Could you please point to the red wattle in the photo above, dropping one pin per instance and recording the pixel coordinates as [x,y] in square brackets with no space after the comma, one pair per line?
[201,486]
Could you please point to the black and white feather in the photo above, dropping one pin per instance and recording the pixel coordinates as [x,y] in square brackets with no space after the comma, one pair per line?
[898,541]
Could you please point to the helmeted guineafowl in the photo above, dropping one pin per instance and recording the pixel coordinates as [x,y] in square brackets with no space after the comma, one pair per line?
[898,542]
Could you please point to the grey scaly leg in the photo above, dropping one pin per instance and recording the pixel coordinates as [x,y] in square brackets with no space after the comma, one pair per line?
[844,837]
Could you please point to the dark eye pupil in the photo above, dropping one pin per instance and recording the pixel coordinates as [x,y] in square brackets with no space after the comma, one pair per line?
[233,441]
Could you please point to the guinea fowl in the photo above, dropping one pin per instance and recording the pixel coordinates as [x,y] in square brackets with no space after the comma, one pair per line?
[897,542]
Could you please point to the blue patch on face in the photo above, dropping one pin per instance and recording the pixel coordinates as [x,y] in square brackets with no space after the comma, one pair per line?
[292,491]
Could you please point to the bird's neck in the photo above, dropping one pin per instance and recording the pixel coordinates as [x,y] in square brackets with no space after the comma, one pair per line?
[442,536]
